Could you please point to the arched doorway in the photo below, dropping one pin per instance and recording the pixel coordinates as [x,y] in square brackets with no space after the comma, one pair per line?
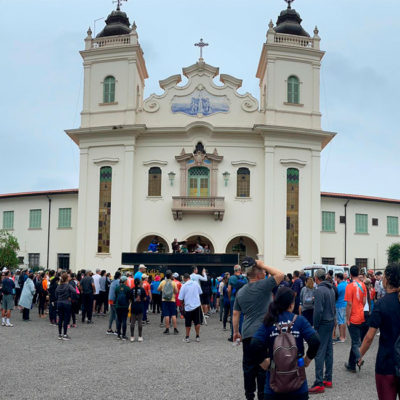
[242,245]
[202,240]
[143,246]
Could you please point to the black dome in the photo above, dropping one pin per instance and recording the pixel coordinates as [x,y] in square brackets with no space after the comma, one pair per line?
[289,22]
[117,23]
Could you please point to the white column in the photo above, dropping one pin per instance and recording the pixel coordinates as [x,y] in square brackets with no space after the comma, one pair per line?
[269,190]
[82,210]
[315,207]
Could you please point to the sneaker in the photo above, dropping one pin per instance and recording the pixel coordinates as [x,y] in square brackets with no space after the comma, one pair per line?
[59,337]
[3,324]
[176,332]
[161,325]
[225,329]
[9,325]
[118,337]
[230,339]
[124,338]
[316,389]
[148,322]
[90,322]
[140,339]
[74,325]
[132,338]
[197,339]
[66,337]
[110,332]
[186,340]
[328,384]
[340,341]
[115,333]
[166,332]
[347,366]
[69,326]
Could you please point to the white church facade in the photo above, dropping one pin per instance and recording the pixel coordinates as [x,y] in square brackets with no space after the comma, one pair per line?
[201,163]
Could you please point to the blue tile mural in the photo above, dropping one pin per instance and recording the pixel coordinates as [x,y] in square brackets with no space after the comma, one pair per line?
[200,102]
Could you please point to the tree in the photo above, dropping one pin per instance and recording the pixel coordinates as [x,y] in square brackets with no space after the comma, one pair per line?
[8,250]
[393,253]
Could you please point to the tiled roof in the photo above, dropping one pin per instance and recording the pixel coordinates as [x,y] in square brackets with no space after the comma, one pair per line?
[359,197]
[39,193]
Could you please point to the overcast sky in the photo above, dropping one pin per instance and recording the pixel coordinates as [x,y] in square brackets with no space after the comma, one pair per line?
[41,78]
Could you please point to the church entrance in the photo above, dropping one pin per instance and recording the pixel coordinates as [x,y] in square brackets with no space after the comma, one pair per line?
[242,245]
[192,241]
[199,182]
[160,244]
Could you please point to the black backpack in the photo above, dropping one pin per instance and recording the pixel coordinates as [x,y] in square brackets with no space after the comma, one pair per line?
[122,298]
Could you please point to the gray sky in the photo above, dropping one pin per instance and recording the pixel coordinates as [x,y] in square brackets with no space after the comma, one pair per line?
[42,78]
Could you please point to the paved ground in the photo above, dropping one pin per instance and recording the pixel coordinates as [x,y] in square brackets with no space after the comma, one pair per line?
[96,366]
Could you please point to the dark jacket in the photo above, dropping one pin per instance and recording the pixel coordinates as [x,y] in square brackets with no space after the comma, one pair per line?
[324,304]
[65,293]
[52,290]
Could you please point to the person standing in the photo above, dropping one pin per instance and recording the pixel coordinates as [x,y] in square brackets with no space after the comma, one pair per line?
[27,293]
[52,300]
[87,290]
[102,299]
[341,308]
[146,287]
[194,276]
[17,287]
[356,296]
[64,295]
[379,289]
[111,302]
[142,270]
[190,296]
[386,317]
[8,290]
[226,300]
[96,281]
[138,299]
[253,301]
[324,321]
[155,294]
[307,294]
[296,287]
[168,291]
[122,296]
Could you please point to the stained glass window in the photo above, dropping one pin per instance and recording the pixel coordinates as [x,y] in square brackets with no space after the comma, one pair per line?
[104,210]
[292,212]
[199,182]
[243,182]
[109,90]
[293,90]
[154,181]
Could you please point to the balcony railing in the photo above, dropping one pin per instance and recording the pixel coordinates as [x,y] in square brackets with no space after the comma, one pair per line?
[202,205]
[119,40]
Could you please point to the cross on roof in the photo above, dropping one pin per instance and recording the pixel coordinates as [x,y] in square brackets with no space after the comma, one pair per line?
[201,44]
[289,3]
[119,3]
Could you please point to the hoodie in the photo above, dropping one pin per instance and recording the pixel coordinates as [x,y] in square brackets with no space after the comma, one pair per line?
[324,304]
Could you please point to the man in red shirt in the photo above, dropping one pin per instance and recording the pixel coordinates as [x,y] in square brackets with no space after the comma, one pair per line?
[355,295]
[146,287]
[175,275]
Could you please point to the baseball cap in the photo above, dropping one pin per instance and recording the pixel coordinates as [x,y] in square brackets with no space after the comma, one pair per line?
[142,266]
[175,275]
[124,278]
[248,262]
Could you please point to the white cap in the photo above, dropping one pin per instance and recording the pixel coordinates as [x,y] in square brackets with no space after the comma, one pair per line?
[175,275]
[142,266]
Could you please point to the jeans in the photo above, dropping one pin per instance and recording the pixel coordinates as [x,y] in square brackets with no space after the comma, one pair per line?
[25,314]
[227,308]
[52,312]
[325,354]
[221,308]
[355,334]
[113,317]
[122,314]
[213,302]
[64,315]
[254,375]
[87,306]
[138,318]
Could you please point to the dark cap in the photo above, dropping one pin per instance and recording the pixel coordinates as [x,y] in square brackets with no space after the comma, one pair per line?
[248,262]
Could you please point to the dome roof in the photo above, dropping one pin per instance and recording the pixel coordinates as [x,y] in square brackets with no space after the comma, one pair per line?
[289,22]
[117,23]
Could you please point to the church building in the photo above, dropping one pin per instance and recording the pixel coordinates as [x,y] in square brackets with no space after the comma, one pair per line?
[201,163]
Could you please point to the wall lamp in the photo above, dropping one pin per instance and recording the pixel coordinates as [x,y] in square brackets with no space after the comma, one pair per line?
[226,176]
[171,177]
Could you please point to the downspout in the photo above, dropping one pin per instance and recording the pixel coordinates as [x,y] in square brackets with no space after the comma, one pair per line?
[345,231]
[48,234]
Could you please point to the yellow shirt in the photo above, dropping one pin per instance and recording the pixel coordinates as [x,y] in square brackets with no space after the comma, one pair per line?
[161,287]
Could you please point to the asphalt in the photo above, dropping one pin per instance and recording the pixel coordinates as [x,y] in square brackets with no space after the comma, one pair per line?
[34,364]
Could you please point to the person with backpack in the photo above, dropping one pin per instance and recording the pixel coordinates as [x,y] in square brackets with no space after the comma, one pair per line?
[111,302]
[278,347]
[8,291]
[235,283]
[122,297]
[386,317]
[41,290]
[138,299]
[252,301]
[168,291]
[65,293]
[306,308]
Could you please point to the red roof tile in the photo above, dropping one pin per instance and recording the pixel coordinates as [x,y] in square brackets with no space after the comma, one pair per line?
[359,197]
[40,193]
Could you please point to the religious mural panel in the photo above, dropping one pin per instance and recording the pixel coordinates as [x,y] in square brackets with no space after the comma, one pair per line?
[103,245]
[292,212]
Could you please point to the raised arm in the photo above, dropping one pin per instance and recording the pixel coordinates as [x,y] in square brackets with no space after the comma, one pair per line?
[274,272]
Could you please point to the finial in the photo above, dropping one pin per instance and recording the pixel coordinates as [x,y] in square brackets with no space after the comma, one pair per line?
[89,32]
[201,44]
[271,24]
[119,4]
[134,26]
[316,31]
[289,2]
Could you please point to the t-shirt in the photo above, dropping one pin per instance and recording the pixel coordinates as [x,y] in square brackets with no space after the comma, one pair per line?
[197,278]
[130,282]
[154,286]
[355,293]
[138,275]
[86,285]
[386,317]
[8,286]
[253,301]
[138,300]
[234,281]
[190,294]
[178,286]
[341,288]
[160,289]
[301,331]
[102,283]
[120,291]
[296,287]
[146,287]
[96,280]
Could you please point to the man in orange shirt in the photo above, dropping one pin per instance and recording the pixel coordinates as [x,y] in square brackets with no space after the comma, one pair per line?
[355,295]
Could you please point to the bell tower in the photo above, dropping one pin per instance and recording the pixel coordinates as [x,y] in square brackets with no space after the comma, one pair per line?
[289,73]
[114,74]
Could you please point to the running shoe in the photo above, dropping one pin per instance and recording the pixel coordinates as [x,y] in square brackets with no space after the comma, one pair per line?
[140,339]
[327,384]
[124,338]
[9,325]
[197,339]
[132,338]
[186,340]
[59,337]
[350,369]
[316,389]
[166,332]
[66,337]
[119,337]
[110,332]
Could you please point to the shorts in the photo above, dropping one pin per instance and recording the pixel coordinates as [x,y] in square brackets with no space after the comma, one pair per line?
[193,316]
[168,309]
[205,299]
[341,315]
[8,302]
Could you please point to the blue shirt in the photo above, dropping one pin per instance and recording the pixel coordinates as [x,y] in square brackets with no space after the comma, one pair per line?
[341,288]
[138,275]
[154,286]
[111,293]
[297,286]
[301,331]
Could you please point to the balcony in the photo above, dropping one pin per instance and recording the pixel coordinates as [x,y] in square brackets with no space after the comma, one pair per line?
[198,205]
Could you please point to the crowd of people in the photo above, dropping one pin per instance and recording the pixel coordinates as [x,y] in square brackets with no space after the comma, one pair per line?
[272,315]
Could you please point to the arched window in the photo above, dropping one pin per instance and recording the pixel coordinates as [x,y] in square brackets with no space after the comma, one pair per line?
[154,181]
[293,90]
[292,212]
[103,245]
[109,90]
[243,182]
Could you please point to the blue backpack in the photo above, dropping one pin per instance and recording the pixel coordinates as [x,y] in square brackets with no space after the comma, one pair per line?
[241,281]
[121,297]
